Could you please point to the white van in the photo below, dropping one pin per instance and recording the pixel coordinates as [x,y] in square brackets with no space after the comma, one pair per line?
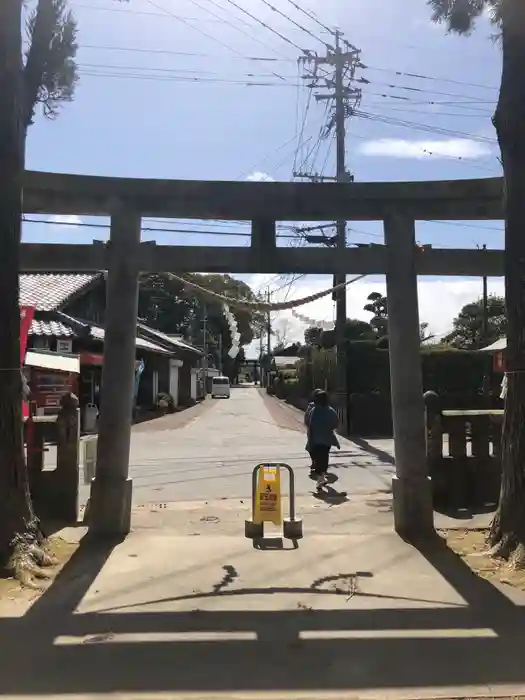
[220,386]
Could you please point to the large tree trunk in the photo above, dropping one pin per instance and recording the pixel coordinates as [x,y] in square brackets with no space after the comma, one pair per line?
[508,528]
[17,520]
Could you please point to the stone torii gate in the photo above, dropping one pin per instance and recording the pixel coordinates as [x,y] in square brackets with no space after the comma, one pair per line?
[127,201]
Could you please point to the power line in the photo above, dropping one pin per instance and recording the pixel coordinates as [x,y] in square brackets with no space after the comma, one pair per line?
[432,129]
[259,58]
[296,24]
[316,145]
[423,127]
[190,231]
[482,114]
[462,224]
[179,79]
[274,152]
[458,159]
[149,229]
[192,26]
[311,16]
[419,76]
[410,88]
[467,102]
[239,29]
[300,142]
[134,12]
[266,26]
[137,49]
[174,71]
[172,74]
[219,223]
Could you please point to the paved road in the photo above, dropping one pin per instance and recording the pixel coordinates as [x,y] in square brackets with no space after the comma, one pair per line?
[211,456]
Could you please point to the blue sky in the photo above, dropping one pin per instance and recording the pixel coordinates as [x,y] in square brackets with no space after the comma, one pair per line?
[164,92]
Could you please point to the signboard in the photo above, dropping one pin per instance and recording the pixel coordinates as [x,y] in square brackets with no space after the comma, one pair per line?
[498,362]
[48,387]
[27,314]
[26,319]
[268,496]
[64,345]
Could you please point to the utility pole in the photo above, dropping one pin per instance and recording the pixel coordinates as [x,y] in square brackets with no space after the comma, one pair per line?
[205,350]
[268,340]
[343,59]
[485,306]
[260,359]
[485,332]
[340,308]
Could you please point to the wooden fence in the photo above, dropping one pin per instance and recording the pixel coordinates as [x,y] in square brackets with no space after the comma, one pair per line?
[464,457]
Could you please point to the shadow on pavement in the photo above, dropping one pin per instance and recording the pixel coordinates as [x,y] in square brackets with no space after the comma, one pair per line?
[382,455]
[72,583]
[330,496]
[54,651]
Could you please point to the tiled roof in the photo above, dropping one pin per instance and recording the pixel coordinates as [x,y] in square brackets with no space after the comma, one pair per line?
[48,292]
[60,330]
[169,340]
[98,333]
[51,328]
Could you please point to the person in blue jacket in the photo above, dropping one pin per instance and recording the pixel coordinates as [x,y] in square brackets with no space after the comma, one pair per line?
[321,423]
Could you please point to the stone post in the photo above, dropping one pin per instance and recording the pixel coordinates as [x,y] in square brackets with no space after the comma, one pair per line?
[111,489]
[413,512]
[65,490]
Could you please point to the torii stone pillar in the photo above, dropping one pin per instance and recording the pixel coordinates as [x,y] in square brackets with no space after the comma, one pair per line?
[412,494]
[111,489]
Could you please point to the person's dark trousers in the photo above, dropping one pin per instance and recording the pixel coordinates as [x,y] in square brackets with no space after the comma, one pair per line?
[320,456]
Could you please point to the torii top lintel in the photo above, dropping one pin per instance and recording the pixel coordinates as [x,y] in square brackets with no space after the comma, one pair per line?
[57,193]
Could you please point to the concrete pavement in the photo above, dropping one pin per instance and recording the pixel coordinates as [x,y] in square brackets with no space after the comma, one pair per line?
[212,456]
[195,478]
[186,608]
[357,616]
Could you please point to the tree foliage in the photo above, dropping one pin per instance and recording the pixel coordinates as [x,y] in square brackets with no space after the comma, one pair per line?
[165,304]
[378,308]
[355,329]
[460,16]
[468,333]
[312,336]
[50,70]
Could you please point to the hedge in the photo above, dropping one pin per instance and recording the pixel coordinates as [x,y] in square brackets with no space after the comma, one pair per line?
[456,375]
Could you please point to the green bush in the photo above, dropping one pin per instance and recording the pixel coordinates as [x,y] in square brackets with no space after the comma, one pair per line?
[455,371]
[165,402]
[456,375]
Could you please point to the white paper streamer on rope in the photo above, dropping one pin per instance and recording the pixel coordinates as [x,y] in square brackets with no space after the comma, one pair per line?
[312,323]
[234,332]
[262,305]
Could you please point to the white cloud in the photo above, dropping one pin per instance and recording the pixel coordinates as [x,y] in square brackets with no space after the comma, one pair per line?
[258,176]
[66,221]
[440,300]
[444,148]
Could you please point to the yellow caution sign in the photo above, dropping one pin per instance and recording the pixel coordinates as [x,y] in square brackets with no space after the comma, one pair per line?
[268,496]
